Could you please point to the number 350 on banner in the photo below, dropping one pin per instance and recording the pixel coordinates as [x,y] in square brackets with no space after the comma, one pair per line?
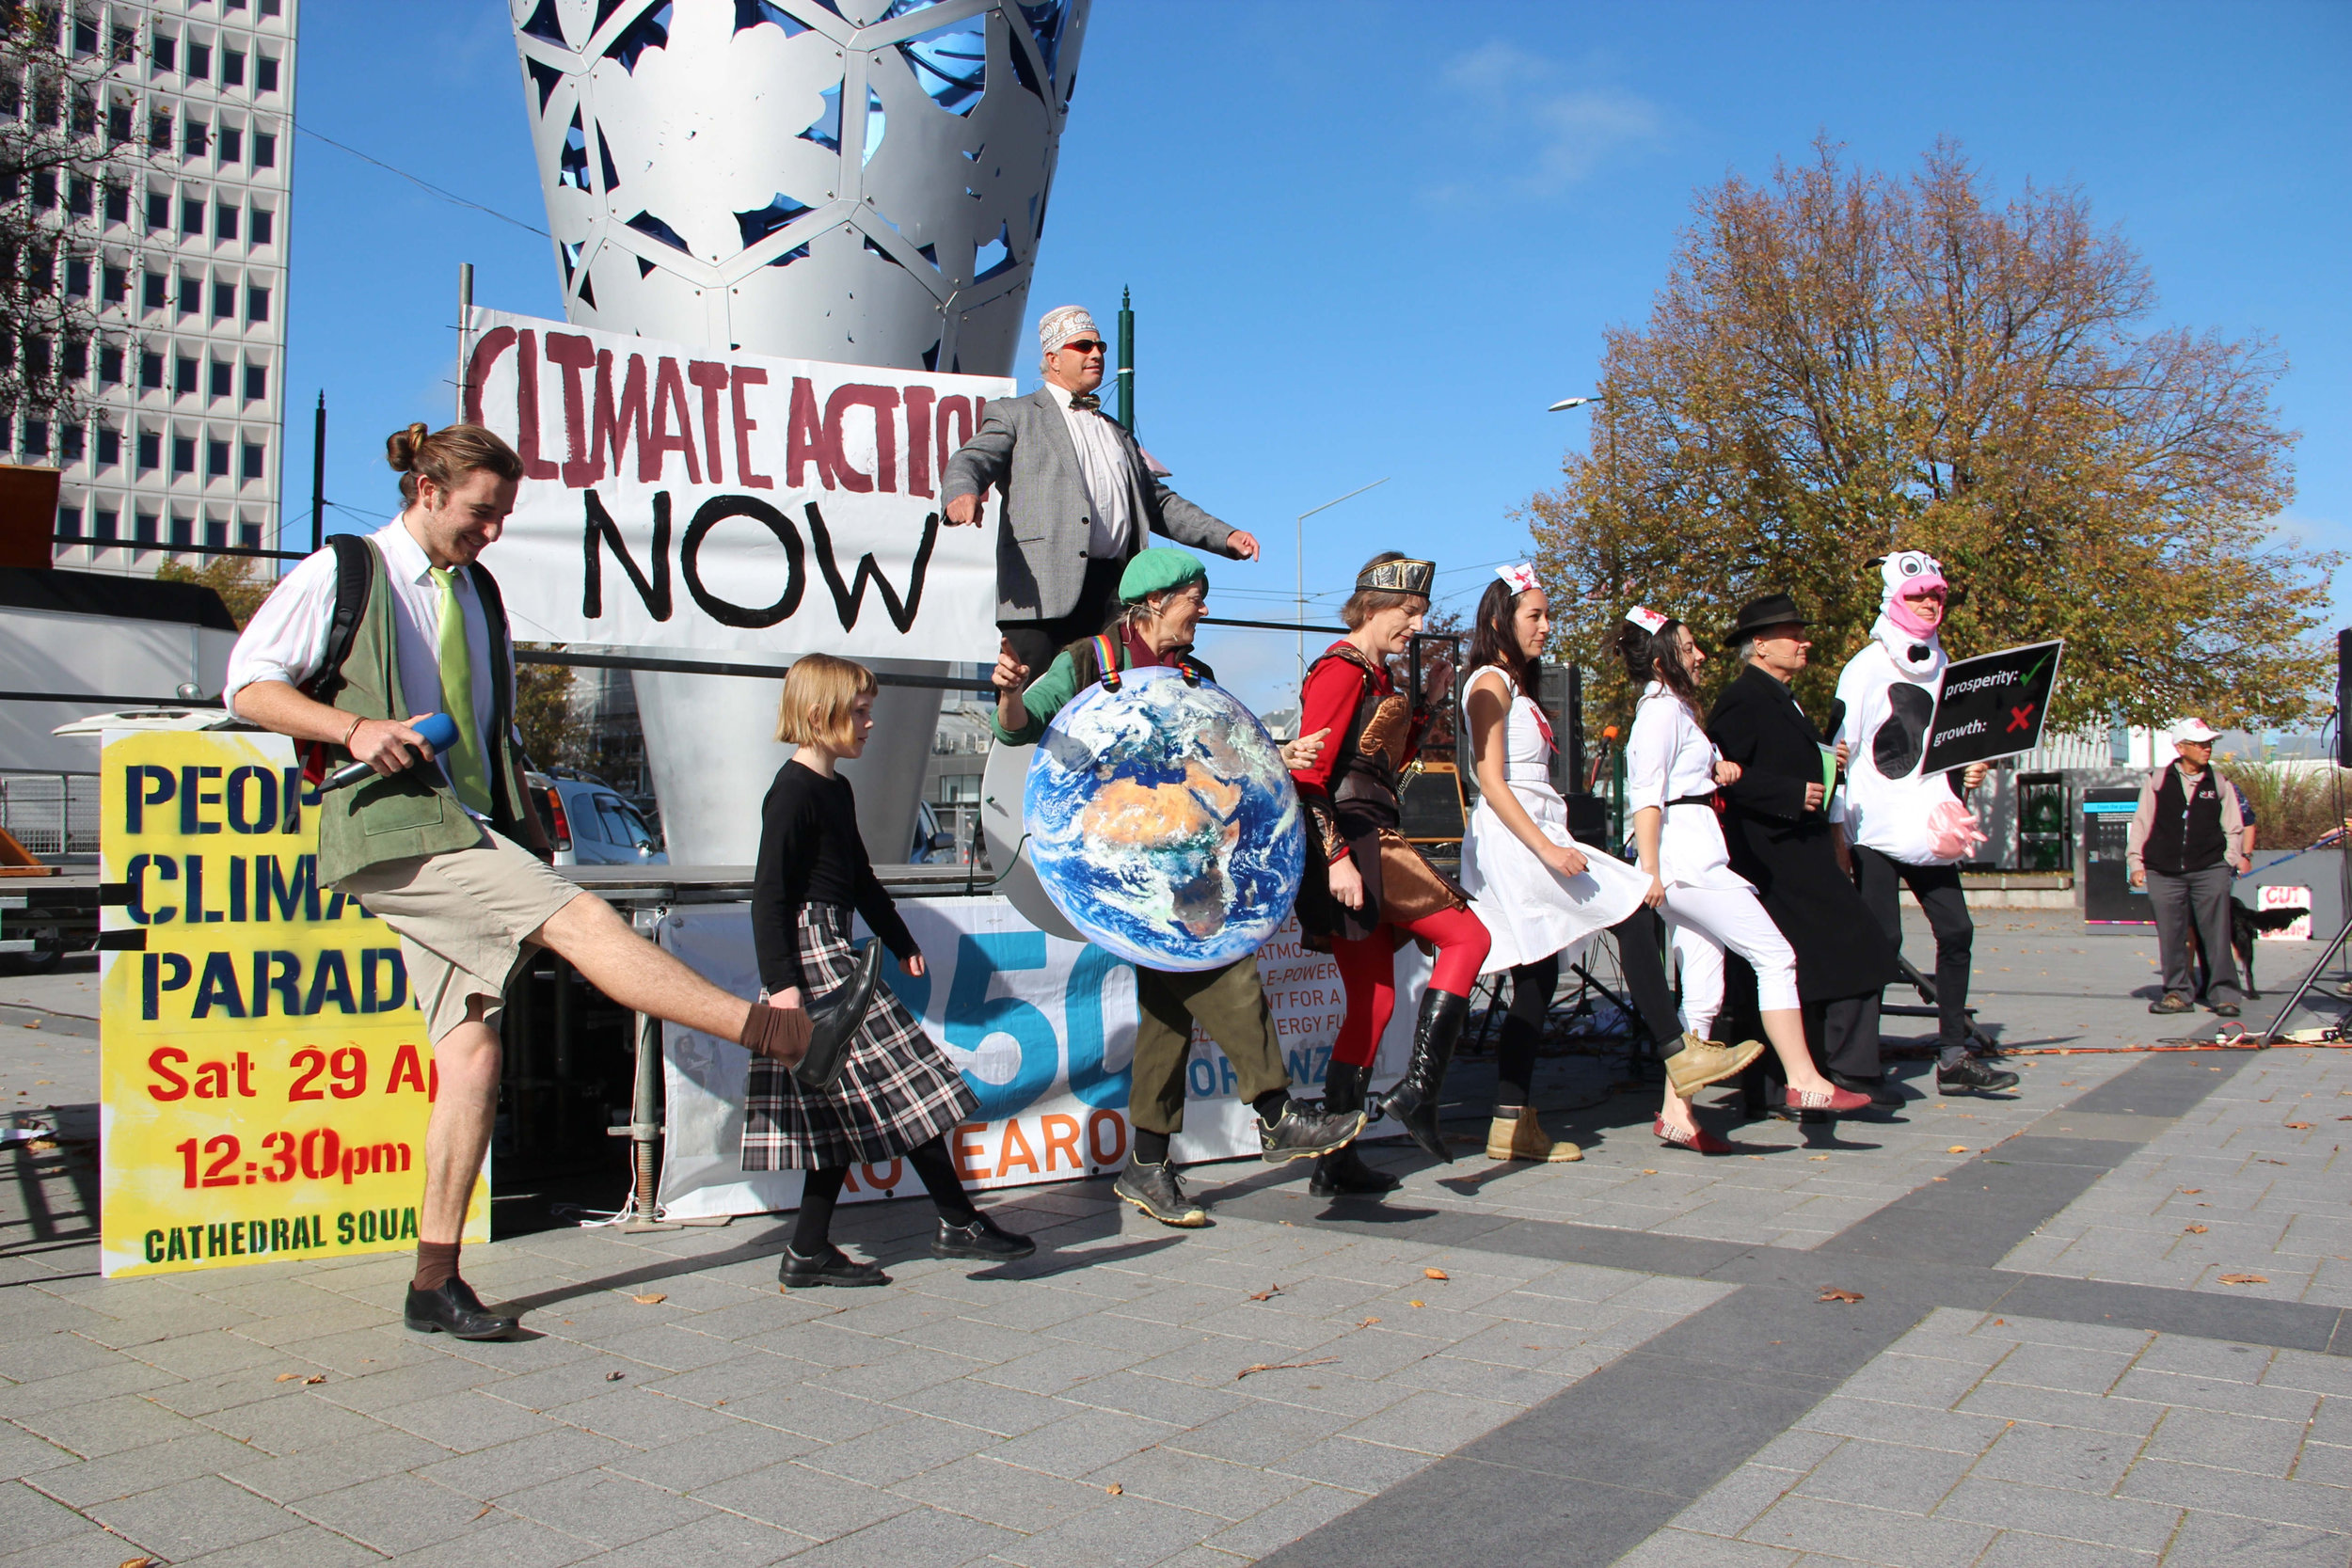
[265,1078]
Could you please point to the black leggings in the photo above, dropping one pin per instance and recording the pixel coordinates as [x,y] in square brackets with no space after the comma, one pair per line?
[822,1190]
[1641,939]
[1531,986]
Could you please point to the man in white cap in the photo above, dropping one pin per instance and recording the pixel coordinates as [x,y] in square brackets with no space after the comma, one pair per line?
[1079,498]
[2187,845]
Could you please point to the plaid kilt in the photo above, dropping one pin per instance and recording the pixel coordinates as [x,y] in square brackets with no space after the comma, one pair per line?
[898,1091]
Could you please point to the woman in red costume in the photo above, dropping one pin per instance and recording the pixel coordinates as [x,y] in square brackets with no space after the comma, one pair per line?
[1368,891]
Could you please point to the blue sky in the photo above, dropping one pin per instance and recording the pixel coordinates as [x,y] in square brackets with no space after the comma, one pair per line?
[1363,245]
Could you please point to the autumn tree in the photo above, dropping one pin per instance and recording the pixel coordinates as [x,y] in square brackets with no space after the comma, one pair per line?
[1843,362]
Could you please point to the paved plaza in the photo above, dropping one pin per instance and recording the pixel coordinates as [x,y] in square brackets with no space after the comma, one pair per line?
[2100,1322]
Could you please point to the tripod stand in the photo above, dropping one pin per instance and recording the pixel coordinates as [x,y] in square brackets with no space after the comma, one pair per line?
[1980,1043]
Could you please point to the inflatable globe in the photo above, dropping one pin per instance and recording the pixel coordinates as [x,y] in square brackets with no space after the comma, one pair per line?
[1162,823]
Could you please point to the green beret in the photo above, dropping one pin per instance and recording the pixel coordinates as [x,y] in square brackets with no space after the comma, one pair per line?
[1158,569]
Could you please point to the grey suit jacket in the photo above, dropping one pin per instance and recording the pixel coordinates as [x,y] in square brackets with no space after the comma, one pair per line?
[1023,451]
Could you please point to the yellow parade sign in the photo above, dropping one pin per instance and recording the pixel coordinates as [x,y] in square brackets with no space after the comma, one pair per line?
[264,1075]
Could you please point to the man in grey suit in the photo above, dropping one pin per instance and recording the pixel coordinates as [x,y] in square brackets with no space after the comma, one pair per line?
[1078,498]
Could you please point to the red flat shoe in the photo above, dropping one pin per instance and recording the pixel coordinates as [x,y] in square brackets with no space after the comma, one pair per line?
[1836,1099]
[1699,1140]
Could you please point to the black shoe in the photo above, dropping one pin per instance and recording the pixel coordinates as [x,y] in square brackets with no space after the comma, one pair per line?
[455,1310]
[1414,1101]
[983,1237]
[2224,1009]
[1155,1190]
[2172,1002]
[1307,1130]
[1879,1089]
[832,1266]
[1972,1077]
[1343,1173]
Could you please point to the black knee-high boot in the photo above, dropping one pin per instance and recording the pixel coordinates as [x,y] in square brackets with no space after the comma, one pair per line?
[1342,1171]
[1414,1101]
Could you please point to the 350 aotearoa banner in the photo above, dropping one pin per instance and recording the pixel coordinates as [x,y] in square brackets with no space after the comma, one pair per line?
[265,1076]
[1043,1030]
[685,498]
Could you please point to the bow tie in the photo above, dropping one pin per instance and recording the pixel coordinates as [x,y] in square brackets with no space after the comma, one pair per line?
[1085,401]
[1918,652]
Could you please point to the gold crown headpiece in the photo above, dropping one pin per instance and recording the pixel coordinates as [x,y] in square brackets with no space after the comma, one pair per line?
[1399,577]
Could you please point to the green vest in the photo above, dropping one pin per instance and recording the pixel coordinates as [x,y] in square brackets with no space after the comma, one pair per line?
[414,812]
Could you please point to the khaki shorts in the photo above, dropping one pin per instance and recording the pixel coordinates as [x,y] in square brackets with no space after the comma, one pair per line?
[462,917]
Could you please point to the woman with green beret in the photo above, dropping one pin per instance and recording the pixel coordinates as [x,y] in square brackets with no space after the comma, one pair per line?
[1163,594]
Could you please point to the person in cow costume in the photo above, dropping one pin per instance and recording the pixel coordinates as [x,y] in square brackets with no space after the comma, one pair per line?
[1908,829]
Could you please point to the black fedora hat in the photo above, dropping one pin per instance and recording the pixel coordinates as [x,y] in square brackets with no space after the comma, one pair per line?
[1772,610]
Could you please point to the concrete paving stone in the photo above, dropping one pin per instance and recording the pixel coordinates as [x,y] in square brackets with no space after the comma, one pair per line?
[29,1403]
[1432,1423]
[604,1509]
[2071,1458]
[1083,1443]
[808,1503]
[719,1540]
[136,1470]
[1873,1535]
[1919,1380]
[2104,1521]
[293,1423]
[980,1486]
[1797,1450]
[2201,1487]
[90,1547]
[1203,1556]
[505,1542]
[1125,1532]
[1304,1510]
[1735,1502]
[2055,1407]
[901,1375]
[814,1413]
[375,1390]
[205,1396]
[203,1513]
[23,1454]
[509,1467]
[917,1538]
[2221,1541]
[732,1448]
[749,1372]
[1885,1475]
[2081,1371]
[1518,1387]
[57,1353]
[295,1476]
[892,1453]
[109,1425]
[2204,1393]
[2329,1375]
[1353,1463]
[397,1513]
[2249,1443]
[28,1518]
[1682,1548]
[2019,1548]
[465,1421]
[2333,1421]
[1170,1396]
[2324,1464]
[639,1416]
[1262,1432]
[1004,1412]
[1213,1486]
[576,1380]
[211,1353]
[1848,1416]
[2209,1358]
[669,1346]
[303,1547]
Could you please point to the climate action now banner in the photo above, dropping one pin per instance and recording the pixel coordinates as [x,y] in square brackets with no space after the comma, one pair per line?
[1043,1030]
[1992,706]
[264,1077]
[677,497]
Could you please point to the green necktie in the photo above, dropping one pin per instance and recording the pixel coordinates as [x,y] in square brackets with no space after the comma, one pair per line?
[467,773]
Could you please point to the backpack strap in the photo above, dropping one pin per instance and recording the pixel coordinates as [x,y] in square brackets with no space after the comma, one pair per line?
[485,589]
[355,579]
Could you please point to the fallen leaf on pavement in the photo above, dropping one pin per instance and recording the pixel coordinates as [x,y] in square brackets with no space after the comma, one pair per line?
[1416,1304]
[1117,1491]
[1956,1148]
[614,1377]
[286,1377]
[315,1377]
[2198,1229]
[1649,1173]
[1367,1323]
[1939,1177]
[1832,1293]
[486,1508]
[138,1562]
[652,1298]
[2192,1190]
[1282,1367]
[1434,1274]
[2245,1279]
[1816,1156]
[1267,1294]
[2300,1126]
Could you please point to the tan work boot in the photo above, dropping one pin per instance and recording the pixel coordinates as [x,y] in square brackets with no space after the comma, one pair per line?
[1700,1063]
[1523,1137]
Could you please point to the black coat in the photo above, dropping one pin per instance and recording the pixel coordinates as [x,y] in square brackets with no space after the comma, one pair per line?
[1789,851]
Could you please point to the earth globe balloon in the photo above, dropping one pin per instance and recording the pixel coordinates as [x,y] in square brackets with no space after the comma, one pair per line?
[1161,822]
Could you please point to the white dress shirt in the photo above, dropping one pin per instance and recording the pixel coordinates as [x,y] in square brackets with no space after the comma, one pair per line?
[1103,467]
[286,639]
[1668,758]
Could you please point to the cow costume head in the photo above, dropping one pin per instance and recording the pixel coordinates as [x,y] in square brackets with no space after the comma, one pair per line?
[1915,646]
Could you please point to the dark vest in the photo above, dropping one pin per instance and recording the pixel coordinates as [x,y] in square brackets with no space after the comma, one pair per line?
[2186,834]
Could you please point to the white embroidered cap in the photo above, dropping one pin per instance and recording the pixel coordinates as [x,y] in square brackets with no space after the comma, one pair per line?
[1647,619]
[1520,577]
[1063,323]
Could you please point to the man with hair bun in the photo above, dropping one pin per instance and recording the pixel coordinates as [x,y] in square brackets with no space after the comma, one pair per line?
[429,845]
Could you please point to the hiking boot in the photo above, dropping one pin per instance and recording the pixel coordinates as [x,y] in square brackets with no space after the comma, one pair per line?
[2173,1002]
[1520,1136]
[1699,1062]
[1155,1190]
[1306,1129]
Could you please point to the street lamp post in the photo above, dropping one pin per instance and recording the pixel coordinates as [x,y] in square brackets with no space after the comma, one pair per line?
[1301,564]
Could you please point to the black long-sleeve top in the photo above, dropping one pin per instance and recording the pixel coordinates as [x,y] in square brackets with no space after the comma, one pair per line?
[810,853]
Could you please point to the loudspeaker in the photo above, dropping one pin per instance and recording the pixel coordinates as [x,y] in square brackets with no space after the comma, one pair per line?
[2343,698]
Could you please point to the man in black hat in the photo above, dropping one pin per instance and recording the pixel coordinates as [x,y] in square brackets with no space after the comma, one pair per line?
[1782,827]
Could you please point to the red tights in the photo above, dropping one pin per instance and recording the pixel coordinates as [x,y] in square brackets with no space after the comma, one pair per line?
[1368,971]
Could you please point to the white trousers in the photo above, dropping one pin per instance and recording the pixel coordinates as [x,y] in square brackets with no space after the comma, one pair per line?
[1705,921]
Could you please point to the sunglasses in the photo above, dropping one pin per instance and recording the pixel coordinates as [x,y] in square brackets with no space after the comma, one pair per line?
[1085,345]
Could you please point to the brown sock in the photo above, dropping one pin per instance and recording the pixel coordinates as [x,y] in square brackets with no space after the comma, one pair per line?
[774,1033]
[437,1265]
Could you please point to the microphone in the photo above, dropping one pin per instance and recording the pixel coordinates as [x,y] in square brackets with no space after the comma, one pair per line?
[439,730]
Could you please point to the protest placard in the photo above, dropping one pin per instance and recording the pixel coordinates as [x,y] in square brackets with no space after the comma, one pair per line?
[1992,706]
